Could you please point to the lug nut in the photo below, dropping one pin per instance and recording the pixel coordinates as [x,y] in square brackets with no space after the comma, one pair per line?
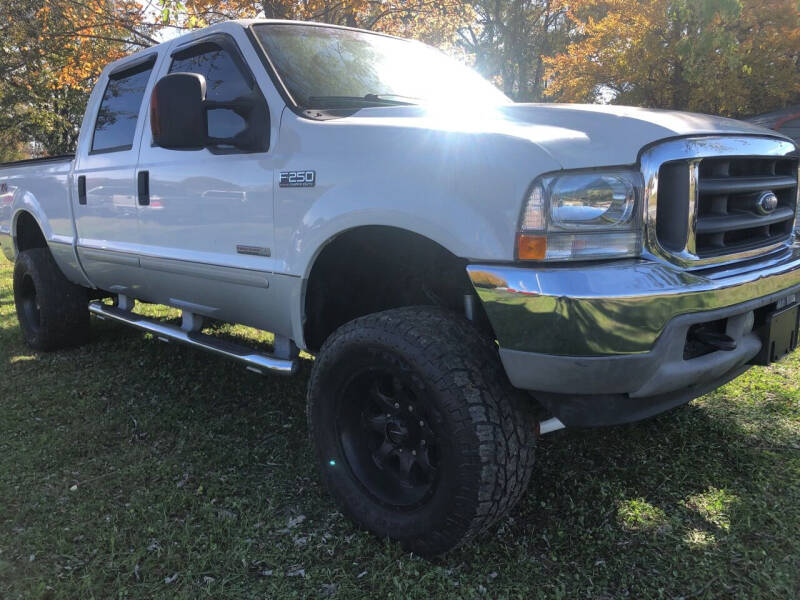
[423,442]
[422,423]
[410,408]
[397,405]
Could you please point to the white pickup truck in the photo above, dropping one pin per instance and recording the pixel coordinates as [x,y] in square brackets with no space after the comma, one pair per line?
[469,272]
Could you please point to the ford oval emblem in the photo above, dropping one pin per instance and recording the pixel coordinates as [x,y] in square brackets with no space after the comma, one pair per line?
[767,203]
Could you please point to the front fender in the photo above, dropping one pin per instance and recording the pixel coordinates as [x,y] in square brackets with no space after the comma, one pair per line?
[462,190]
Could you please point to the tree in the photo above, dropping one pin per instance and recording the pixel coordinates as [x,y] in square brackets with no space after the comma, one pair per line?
[433,21]
[52,51]
[728,57]
[510,40]
[50,56]
[506,39]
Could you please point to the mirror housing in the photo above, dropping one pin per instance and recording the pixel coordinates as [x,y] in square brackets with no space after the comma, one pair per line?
[177,112]
[179,117]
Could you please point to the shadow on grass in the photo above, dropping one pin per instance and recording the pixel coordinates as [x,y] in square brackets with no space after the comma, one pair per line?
[659,499]
[688,503]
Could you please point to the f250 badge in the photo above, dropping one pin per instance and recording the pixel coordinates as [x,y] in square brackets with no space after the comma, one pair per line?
[298,178]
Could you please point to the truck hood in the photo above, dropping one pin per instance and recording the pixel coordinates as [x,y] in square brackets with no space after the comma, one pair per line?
[574,135]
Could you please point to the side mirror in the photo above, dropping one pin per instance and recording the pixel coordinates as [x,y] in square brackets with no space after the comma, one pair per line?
[179,117]
[178,112]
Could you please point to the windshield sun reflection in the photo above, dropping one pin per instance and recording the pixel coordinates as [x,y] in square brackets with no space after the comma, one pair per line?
[326,67]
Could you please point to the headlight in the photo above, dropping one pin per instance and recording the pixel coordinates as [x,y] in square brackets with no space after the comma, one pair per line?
[585,215]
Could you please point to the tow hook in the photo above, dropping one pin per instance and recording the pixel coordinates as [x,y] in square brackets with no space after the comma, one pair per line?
[714,339]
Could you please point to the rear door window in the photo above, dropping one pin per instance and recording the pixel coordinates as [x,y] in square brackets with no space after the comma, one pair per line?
[115,126]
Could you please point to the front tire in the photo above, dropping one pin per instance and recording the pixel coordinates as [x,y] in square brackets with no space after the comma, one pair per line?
[418,434]
[53,312]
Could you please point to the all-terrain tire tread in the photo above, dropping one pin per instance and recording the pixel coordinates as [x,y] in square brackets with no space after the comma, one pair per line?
[499,414]
[63,304]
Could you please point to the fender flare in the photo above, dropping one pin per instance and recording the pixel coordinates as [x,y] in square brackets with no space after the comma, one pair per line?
[298,310]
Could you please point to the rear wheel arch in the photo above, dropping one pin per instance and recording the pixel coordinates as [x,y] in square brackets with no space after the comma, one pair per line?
[52,311]
[27,232]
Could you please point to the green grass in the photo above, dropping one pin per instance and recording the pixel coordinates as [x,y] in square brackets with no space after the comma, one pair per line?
[130,468]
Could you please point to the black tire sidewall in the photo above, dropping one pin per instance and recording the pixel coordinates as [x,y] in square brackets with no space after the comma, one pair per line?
[63,306]
[485,428]
[444,502]
[25,266]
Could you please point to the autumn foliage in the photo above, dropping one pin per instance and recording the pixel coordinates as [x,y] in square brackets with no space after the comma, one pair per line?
[729,57]
[432,21]
[50,56]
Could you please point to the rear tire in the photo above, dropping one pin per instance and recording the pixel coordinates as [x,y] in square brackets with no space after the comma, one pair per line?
[53,312]
[419,436]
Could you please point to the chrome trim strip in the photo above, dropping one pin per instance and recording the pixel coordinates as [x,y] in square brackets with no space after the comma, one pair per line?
[691,238]
[695,149]
[253,250]
[108,256]
[260,363]
[64,240]
[95,245]
[205,271]
[236,275]
[797,202]
[619,307]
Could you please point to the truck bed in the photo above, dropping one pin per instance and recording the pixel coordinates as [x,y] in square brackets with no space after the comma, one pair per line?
[44,159]
[41,186]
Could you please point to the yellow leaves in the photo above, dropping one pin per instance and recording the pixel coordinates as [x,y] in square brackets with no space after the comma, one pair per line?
[718,56]
[436,22]
[79,37]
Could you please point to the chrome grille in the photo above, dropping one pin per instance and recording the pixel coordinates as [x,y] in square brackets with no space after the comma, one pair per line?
[710,200]
[729,217]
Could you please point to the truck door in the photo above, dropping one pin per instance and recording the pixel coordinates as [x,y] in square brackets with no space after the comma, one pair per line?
[207,232]
[104,182]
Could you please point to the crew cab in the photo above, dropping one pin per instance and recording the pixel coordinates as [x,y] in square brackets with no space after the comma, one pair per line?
[468,272]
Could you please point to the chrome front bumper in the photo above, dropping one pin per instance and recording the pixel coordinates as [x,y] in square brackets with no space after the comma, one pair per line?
[621,327]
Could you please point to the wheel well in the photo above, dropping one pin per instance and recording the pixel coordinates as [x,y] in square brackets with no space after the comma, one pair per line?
[374,268]
[28,234]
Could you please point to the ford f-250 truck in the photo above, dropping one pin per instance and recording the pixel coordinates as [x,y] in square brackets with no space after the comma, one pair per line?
[469,272]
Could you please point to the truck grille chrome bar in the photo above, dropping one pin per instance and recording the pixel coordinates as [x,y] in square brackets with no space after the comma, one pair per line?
[718,200]
[258,363]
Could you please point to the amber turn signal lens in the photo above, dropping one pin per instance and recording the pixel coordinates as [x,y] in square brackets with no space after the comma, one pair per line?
[531,247]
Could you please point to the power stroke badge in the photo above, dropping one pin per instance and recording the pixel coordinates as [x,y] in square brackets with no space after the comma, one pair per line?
[298,178]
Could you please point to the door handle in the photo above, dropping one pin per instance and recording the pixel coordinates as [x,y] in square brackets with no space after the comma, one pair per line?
[143,187]
[82,189]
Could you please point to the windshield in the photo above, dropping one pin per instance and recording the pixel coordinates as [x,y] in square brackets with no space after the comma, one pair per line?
[325,67]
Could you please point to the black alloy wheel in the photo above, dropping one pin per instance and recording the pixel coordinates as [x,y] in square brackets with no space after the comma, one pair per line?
[386,436]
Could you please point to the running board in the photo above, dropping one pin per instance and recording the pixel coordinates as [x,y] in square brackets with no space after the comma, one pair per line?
[258,363]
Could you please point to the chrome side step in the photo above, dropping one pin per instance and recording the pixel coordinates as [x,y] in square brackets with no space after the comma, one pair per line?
[258,363]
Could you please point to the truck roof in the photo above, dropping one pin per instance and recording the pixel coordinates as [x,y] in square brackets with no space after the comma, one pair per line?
[244,23]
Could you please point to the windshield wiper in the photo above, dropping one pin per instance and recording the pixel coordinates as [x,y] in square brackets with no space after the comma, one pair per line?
[398,98]
[368,99]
